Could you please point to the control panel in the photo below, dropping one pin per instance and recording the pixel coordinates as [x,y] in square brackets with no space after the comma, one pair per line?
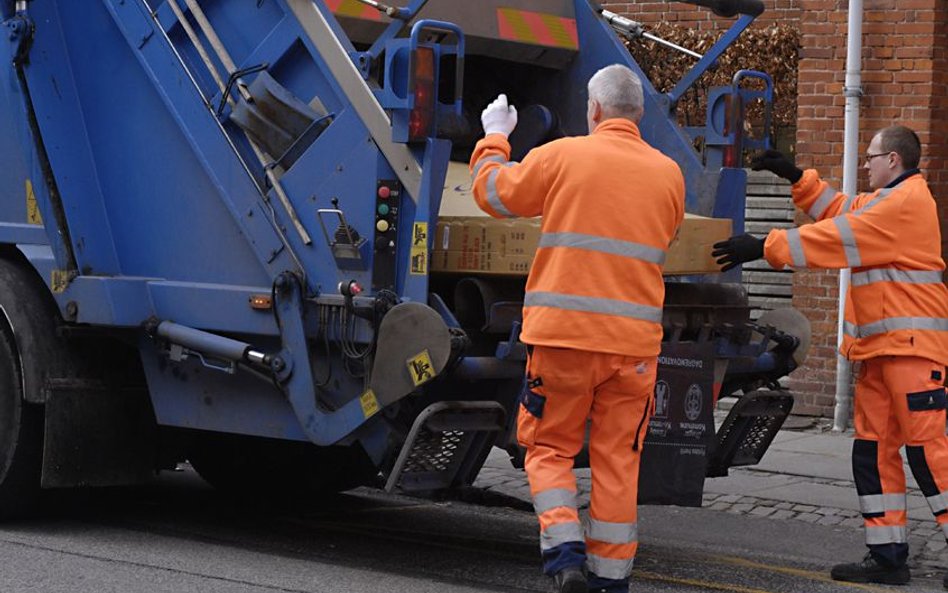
[388,195]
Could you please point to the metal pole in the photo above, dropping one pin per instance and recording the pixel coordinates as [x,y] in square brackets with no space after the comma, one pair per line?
[853,91]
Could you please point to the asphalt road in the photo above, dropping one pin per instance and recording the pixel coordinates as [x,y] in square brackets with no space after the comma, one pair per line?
[179,536]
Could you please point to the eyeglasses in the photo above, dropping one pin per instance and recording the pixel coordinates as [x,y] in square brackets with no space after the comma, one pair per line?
[869,157]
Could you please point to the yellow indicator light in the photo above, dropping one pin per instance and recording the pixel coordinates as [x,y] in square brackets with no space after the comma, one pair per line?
[261,302]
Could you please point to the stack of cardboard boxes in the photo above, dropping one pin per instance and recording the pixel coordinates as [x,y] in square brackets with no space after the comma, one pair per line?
[468,241]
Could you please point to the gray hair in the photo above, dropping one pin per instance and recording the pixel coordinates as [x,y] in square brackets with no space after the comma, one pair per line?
[619,91]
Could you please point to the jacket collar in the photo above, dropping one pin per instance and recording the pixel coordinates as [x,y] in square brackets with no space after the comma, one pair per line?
[901,177]
[617,124]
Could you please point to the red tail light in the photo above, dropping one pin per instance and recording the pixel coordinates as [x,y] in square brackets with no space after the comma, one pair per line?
[421,120]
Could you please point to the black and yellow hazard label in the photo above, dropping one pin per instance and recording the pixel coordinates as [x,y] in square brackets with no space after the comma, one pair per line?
[370,404]
[420,368]
[419,249]
[33,215]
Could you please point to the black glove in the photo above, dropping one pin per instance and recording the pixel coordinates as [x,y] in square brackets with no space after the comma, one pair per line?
[775,162]
[737,250]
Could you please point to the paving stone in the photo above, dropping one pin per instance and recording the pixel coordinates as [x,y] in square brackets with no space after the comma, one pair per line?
[784,506]
[741,508]
[853,522]
[762,511]
[936,545]
[830,520]
[748,499]
[809,517]
[826,511]
[732,498]
[720,506]
[782,514]
[804,508]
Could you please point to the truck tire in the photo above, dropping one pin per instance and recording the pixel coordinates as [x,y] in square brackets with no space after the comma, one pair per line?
[242,466]
[25,313]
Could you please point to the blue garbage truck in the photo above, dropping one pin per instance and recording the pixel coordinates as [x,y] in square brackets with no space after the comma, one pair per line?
[216,224]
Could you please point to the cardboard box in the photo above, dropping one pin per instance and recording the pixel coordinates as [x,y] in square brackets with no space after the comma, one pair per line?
[484,245]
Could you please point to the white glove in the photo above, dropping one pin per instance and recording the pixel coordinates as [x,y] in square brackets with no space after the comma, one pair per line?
[499,118]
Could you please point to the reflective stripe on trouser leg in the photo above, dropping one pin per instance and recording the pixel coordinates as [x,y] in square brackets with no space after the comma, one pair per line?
[552,441]
[620,411]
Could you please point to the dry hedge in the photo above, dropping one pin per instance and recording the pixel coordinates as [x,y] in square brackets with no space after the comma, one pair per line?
[774,50]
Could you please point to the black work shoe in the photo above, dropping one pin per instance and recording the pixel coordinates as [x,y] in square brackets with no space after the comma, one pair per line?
[570,580]
[870,570]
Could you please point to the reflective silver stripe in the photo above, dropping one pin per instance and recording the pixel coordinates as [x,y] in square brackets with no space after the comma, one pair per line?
[494,158]
[613,533]
[897,323]
[609,568]
[493,198]
[587,304]
[553,498]
[886,534]
[652,255]
[848,203]
[849,241]
[560,533]
[821,203]
[872,504]
[893,275]
[796,248]
[939,502]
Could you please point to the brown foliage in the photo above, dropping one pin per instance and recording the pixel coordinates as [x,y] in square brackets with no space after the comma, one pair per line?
[774,50]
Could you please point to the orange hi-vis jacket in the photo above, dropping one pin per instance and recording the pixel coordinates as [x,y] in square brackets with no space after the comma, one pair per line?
[897,303]
[611,205]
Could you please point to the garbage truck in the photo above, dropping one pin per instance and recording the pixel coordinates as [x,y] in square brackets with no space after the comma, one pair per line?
[216,227]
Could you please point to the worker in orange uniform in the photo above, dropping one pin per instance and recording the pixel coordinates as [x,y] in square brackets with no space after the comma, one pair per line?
[611,205]
[896,324]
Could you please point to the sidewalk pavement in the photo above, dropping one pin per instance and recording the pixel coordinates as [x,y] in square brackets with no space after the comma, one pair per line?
[804,476]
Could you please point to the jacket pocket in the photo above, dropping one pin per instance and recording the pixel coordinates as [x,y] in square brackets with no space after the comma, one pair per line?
[927,400]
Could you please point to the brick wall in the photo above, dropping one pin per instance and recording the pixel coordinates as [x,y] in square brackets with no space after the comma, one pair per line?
[905,80]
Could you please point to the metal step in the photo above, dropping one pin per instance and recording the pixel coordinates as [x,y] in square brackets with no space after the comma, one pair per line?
[749,429]
[446,446]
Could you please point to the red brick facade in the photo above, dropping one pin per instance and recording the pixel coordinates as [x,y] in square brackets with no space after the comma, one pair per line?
[904,80]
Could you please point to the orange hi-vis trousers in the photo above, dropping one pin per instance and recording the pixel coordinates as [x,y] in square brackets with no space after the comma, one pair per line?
[564,388]
[899,400]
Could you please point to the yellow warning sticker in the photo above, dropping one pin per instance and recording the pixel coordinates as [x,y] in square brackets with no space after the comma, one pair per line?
[33,215]
[59,280]
[370,405]
[420,368]
[419,249]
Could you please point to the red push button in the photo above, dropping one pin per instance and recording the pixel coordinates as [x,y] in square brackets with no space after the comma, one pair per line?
[385,192]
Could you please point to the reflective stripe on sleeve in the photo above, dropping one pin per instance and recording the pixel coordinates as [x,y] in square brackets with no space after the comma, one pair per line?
[796,248]
[821,203]
[553,498]
[646,253]
[493,198]
[875,504]
[893,275]
[613,533]
[885,534]
[494,158]
[572,302]
[609,568]
[849,241]
[559,534]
